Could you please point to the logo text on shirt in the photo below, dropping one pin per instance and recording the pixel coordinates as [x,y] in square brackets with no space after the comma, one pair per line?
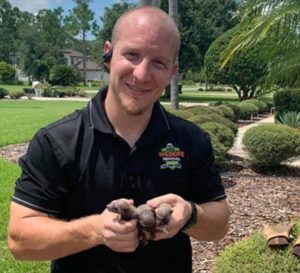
[171,157]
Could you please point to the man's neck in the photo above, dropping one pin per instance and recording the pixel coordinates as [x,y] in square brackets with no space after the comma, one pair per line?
[129,127]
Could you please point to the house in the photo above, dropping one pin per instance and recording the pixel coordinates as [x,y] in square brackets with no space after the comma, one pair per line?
[93,71]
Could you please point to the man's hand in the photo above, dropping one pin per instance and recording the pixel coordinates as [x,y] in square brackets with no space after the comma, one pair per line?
[181,211]
[120,236]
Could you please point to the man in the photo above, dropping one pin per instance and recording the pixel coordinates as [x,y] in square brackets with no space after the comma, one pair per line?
[123,145]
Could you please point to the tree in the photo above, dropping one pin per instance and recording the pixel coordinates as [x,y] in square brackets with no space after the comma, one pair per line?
[8,31]
[7,73]
[64,75]
[41,39]
[109,18]
[81,21]
[242,73]
[274,23]
[200,23]
[173,12]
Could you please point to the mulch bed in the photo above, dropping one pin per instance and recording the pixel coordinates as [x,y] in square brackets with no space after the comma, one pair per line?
[254,199]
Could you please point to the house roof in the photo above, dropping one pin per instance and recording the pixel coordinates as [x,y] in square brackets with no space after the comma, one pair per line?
[90,64]
[72,53]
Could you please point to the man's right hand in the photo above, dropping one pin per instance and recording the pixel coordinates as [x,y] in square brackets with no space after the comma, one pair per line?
[120,236]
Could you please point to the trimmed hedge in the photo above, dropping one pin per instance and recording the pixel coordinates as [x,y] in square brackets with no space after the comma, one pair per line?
[199,120]
[247,110]
[270,144]
[262,106]
[223,133]
[227,112]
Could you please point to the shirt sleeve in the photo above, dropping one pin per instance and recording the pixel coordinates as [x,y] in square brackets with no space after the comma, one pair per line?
[44,181]
[206,181]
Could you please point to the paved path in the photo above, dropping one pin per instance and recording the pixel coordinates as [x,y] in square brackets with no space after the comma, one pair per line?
[238,148]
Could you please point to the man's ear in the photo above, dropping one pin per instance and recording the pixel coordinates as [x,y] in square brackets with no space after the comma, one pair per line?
[107,54]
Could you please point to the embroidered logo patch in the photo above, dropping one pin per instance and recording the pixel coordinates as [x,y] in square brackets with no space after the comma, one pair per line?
[171,157]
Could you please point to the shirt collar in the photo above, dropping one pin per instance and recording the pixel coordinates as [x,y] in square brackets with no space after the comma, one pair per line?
[158,123]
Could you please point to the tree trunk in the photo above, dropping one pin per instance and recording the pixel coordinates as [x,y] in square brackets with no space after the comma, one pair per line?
[145,2]
[84,58]
[173,13]
[156,3]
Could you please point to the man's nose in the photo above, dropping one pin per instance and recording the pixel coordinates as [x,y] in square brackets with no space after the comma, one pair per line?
[142,71]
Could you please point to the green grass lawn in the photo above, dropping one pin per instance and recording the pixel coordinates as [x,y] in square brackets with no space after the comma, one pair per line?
[8,174]
[20,119]
[14,88]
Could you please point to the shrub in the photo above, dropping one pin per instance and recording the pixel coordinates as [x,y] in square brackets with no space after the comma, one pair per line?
[28,90]
[185,114]
[223,134]
[218,148]
[291,119]
[64,75]
[270,144]
[3,93]
[16,95]
[262,106]
[81,93]
[203,110]
[227,112]
[236,110]
[286,101]
[199,120]
[254,256]
[7,73]
[247,110]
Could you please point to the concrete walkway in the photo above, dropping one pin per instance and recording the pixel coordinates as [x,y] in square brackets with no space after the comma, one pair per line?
[238,148]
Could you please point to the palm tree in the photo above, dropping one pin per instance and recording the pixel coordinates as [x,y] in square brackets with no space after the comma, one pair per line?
[275,24]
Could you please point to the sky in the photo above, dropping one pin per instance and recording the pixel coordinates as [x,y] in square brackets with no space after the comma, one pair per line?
[34,6]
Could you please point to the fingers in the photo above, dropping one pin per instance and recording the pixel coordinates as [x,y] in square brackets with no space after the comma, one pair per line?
[171,199]
[181,212]
[118,235]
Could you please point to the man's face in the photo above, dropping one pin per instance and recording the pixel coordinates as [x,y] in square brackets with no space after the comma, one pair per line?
[141,66]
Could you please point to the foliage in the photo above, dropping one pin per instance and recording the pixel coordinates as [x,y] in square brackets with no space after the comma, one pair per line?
[275,23]
[3,93]
[200,23]
[219,149]
[291,119]
[41,38]
[286,101]
[242,73]
[109,18]
[81,21]
[270,144]
[64,75]
[16,95]
[201,119]
[7,73]
[262,106]
[8,31]
[226,111]
[253,255]
[236,110]
[223,133]
[8,174]
[183,113]
[247,110]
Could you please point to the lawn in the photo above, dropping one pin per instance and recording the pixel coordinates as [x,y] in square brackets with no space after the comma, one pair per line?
[8,174]
[20,119]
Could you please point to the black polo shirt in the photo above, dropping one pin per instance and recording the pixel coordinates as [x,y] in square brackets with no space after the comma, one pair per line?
[77,165]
